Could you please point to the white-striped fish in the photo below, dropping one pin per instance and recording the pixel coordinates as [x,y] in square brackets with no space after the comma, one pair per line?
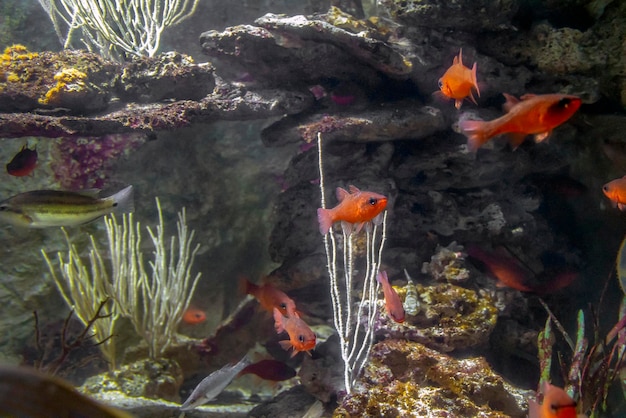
[214,384]
[411,302]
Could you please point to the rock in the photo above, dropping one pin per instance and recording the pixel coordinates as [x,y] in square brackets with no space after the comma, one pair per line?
[390,123]
[293,402]
[464,15]
[407,379]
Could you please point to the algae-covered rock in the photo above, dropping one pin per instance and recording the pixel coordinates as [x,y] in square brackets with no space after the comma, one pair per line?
[450,318]
[409,380]
[148,378]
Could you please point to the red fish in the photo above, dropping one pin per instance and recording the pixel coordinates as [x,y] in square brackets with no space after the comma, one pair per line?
[556,404]
[193,316]
[395,310]
[615,190]
[458,81]
[23,163]
[355,207]
[507,270]
[301,337]
[273,370]
[269,297]
[534,115]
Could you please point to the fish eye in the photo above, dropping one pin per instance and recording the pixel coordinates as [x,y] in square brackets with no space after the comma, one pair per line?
[301,338]
[440,83]
[605,188]
[372,201]
[283,306]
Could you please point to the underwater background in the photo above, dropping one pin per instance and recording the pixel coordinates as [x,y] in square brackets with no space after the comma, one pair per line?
[514,249]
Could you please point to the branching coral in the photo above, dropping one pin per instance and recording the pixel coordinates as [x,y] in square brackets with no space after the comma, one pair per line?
[154,303]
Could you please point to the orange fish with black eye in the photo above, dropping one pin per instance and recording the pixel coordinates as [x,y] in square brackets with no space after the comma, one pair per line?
[458,82]
[615,190]
[23,163]
[393,304]
[269,297]
[556,404]
[301,337]
[355,207]
[194,316]
[533,114]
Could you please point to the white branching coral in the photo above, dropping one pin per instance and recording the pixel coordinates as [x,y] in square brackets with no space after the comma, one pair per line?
[117,26]
[154,303]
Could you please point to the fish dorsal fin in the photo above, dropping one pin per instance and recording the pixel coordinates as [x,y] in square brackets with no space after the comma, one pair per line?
[459,59]
[341,193]
[353,189]
[527,96]
[475,81]
[510,102]
[95,193]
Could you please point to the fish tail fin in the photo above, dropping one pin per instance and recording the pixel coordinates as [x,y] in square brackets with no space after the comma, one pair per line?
[325,219]
[475,81]
[381,277]
[123,200]
[475,131]
[278,321]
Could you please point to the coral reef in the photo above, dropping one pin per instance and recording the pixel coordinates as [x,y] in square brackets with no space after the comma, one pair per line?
[407,379]
[450,318]
[447,264]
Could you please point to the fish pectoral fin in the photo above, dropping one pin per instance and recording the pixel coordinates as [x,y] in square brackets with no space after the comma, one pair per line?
[621,206]
[286,345]
[542,136]
[347,228]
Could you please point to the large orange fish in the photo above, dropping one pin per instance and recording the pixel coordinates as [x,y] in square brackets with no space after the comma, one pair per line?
[23,163]
[615,190]
[533,114]
[270,297]
[556,404]
[458,81]
[194,316]
[355,207]
[395,310]
[301,337]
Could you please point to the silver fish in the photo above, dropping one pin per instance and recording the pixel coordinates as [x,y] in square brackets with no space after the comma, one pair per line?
[411,303]
[214,384]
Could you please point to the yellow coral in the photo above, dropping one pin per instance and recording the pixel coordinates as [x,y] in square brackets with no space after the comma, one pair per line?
[16,52]
[12,77]
[68,79]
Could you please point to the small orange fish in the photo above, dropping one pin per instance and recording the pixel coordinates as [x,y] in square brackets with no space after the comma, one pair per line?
[533,114]
[395,310]
[270,369]
[193,316]
[458,81]
[355,207]
[556,404]
[301,337]
[269,297]
[23,163]
[615,190]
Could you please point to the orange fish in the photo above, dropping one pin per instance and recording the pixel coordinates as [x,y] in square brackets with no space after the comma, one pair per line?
[458,81]
[301,337]
[508,271]
[615,190]
[355,207]
[269,369]
[395,310]
[534,115]
[193,316]
[269,297]
[556,404]
[23,163]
